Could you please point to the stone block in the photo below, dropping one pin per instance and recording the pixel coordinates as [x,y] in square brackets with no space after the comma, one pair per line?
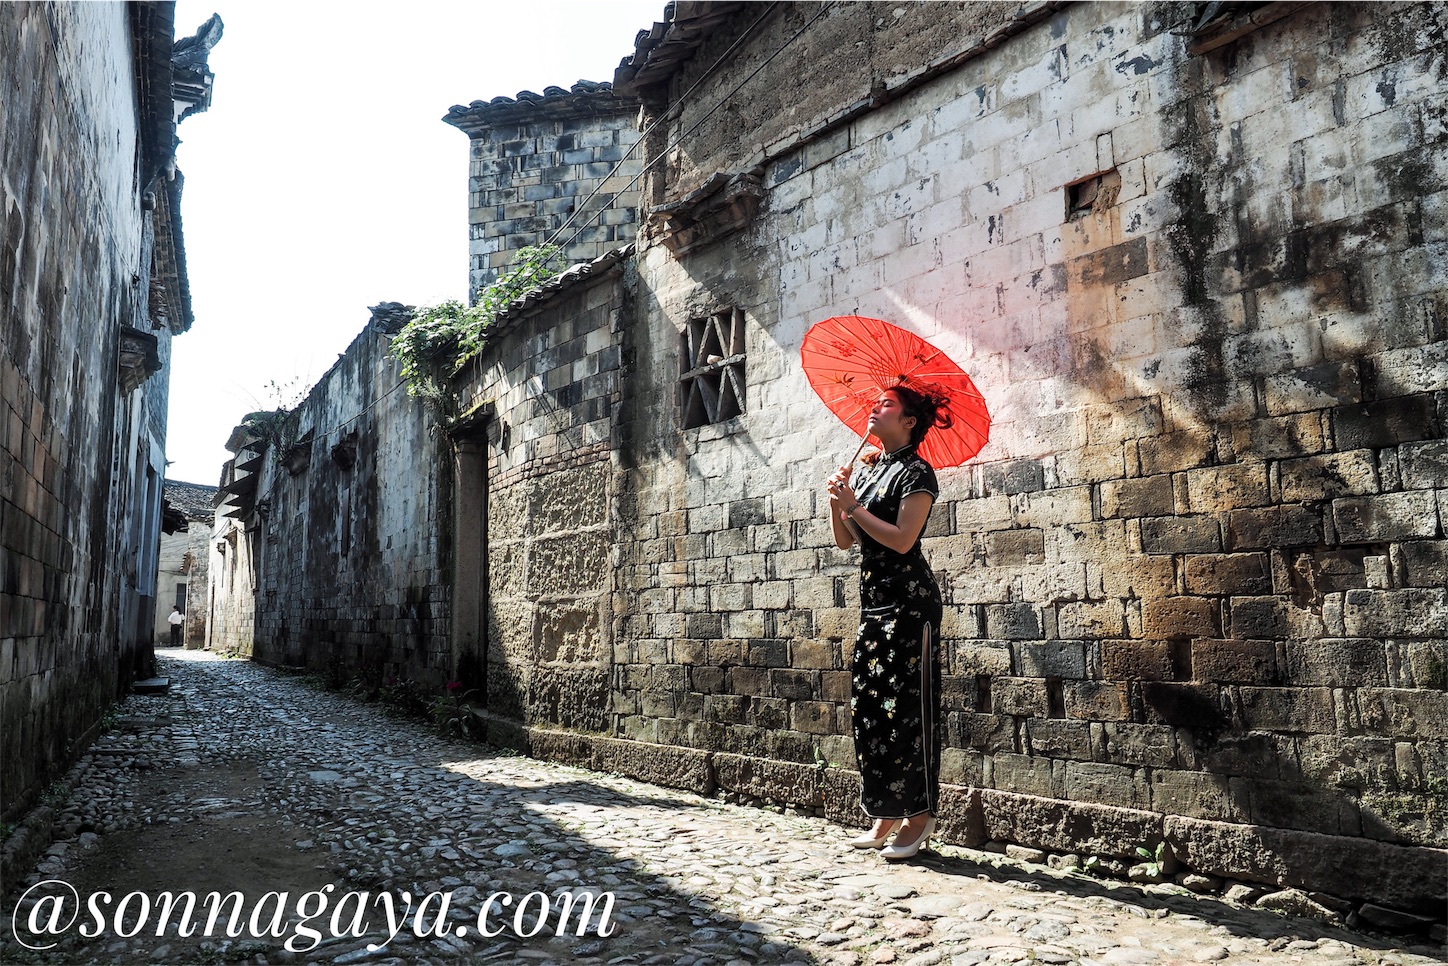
[1169,617]
[1197,795]
[567,565]
[670,766]
[982,512]
[962,820]
[840,789]
[1181,534]
[1337,662]
[1013,622]
[1422,664]
[1386,422]
[1057,738]
[1404,713]
[1051,659]
[1420,563]
[812,717]
[1123,743]
[1062,826]
[1134,576]
[1194,706]
[1386,517]
[1075,542]
[1174,451]
[978,657]
[1405,877]
[1277,526]
[1259,617]
[1104,784]
[991,733]
[1407,613]
[1213,488]
[1312,387]
[1298,805]
[1091,621]
[1149,496]
[1135,661]
[1028,775]
[777,781]
[1234,662]
[1298,710]
[1097,700]
[1279,437]
[1006,548]
[1228,574]
[1424,465]
[1012,476]
[1327,476]
[1018,696]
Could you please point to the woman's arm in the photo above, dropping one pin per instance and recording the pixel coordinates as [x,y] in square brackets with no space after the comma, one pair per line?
[901,535]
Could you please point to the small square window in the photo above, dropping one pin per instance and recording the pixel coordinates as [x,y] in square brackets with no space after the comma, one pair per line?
[1096,193]
[711,369]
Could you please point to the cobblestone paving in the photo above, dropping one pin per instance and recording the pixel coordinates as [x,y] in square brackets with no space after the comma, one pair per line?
[247,779]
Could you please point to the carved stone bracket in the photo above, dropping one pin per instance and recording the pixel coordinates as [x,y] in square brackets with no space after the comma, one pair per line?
[716,209]
[140,358]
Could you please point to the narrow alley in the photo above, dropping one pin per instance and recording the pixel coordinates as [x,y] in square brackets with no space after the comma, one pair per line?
[248,779]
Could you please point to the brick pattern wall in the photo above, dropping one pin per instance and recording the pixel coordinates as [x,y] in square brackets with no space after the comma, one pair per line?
[1197,571]
[67,199]
[528,176]
[554,382]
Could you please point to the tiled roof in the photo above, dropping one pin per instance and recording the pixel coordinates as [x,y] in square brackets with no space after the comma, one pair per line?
[193,500]
[663,48]
[584,99]
[562,282]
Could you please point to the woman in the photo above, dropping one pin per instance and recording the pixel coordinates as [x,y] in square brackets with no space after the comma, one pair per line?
[895,702]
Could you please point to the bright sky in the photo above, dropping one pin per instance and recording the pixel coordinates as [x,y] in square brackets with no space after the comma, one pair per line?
[322,179]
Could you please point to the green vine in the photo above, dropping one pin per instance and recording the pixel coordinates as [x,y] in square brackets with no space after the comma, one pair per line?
[441,338]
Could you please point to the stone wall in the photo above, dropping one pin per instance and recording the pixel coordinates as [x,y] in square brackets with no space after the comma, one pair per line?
[1194,582]
[338,561]
[562,161]
[541,473]
[83,334]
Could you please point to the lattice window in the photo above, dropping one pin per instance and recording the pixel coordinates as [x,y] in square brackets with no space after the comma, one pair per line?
[711,369]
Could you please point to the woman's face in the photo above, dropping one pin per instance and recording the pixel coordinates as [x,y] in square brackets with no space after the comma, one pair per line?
[888,418]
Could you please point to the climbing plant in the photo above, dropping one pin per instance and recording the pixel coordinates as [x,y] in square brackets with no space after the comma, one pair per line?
[441,338]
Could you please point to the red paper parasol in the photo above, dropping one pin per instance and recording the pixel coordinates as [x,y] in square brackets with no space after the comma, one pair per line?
[851,360]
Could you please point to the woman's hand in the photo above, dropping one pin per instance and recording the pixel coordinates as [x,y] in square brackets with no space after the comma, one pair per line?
[839,487]
[842,498]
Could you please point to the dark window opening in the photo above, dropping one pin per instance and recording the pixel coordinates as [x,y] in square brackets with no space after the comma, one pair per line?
[1055,698]
[711,369]
[1094,194]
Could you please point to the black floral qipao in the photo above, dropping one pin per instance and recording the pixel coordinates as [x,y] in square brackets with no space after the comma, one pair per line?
[895,697]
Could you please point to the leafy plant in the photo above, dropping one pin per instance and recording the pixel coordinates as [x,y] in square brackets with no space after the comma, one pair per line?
[1153,859]
[441,338]
[454,715]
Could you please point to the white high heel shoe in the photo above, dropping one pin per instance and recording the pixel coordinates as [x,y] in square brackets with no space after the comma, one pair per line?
[866,842]
[922,841]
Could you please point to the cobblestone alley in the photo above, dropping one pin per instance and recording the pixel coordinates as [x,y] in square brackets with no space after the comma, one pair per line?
[247,779]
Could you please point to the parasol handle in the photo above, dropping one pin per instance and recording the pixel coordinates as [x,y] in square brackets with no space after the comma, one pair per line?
[860,449]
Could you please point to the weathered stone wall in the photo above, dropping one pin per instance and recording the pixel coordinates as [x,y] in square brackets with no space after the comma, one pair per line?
[543,162]
[550,384]
[845,54]
[347,539]
[231,589]
[1194,583]
[75,451]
